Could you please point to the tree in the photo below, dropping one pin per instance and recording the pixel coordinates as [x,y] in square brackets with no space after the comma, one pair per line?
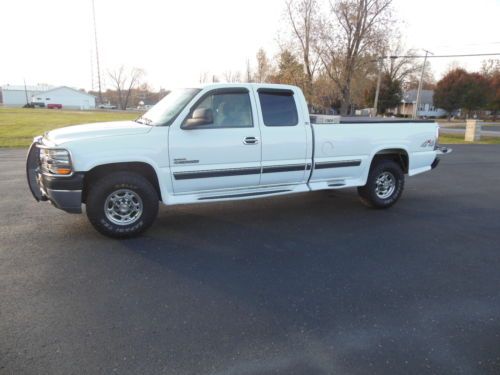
[124,81]
[491,70]
[204,77]
[303,16]
[477,94]
[390,95]
[231,77]
[290,71]
[358,28]
[490,67]
[449,91]
[459,89]
[263,67]
[494,104]
[403,68]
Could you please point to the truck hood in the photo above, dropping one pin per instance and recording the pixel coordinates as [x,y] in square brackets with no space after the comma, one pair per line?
[96,130]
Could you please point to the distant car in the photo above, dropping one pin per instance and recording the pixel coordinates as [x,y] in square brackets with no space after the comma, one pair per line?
[107,106]
[54,106]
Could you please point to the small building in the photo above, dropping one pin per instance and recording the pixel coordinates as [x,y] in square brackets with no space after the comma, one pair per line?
[68,97]
[426,107]
[18,96]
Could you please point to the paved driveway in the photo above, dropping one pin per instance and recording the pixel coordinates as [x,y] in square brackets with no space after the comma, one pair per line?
[306,284]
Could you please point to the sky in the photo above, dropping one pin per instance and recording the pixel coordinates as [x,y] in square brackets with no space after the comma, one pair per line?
[51,41]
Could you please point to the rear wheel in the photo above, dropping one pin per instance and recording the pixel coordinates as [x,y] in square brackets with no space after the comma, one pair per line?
[384,186]
[122,204]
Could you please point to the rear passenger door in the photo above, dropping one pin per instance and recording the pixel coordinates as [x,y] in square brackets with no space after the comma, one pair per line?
[284,137]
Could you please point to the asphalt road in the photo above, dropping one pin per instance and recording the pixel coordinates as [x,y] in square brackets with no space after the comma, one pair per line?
[306,284]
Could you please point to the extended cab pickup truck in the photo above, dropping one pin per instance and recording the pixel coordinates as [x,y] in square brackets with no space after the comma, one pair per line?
[222,142]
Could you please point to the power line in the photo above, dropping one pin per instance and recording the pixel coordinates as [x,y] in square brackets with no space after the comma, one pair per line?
[438,56]
[461,45]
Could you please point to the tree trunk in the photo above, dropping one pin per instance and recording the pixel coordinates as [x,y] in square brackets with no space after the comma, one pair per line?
[346,100]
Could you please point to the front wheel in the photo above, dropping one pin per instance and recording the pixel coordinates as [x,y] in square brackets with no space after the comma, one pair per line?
[122,204]
[384,186]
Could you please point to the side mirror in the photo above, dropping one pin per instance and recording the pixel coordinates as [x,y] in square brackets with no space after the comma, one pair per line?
[200,117]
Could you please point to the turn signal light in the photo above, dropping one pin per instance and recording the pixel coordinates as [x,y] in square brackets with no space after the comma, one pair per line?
[63,171]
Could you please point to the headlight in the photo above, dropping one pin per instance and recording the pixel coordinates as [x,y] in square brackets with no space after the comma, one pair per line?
[56,162]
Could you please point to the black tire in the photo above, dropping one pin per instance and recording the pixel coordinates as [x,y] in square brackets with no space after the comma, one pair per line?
[132,190]
[373,197]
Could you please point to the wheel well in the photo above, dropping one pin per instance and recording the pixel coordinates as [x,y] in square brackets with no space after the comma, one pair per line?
[143,169]
[400,156]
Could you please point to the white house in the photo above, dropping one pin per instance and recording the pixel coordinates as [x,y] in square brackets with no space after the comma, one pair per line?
[426,107]
[66,96]
[18,96]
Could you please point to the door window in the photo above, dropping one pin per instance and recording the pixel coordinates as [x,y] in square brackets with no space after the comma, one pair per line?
[225,110]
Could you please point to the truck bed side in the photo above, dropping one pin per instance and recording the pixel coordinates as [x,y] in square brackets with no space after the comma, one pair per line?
[343,152]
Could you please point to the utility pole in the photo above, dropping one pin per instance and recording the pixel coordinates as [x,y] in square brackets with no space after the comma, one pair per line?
[249,73]
[92,70]
[26,93]
[97,54]
[419,91]
[377,91]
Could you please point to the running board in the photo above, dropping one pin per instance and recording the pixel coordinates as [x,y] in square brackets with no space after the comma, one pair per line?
[244,195]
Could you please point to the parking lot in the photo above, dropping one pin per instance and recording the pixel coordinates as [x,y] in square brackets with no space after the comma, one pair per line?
[308,284]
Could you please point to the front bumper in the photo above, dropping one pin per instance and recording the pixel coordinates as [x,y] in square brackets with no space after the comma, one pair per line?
[64,193]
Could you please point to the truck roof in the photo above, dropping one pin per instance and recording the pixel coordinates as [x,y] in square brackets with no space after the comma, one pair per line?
[245,84]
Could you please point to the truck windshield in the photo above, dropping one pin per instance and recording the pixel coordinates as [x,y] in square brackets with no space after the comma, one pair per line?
[166,111]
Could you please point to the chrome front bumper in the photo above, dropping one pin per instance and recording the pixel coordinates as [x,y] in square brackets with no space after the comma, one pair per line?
[69,200]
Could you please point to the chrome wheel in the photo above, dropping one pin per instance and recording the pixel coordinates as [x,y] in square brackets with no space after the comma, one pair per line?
[385,185]
[123,207]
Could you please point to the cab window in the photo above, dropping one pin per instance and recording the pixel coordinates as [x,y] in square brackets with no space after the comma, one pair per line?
[278,107]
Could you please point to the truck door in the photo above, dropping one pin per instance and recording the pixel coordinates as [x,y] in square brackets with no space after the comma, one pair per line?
[285,136]
[218,145]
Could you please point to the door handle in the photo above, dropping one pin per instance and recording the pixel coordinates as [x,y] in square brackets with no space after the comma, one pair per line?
[250,141]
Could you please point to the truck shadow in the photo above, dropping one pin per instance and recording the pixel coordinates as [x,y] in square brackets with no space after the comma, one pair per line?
[275,254]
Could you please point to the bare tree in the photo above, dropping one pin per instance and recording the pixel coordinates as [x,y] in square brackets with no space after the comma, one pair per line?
[304,18]
[399,66]
[124,81]
[490,67]
[204,77]
[231,76]
[356,29]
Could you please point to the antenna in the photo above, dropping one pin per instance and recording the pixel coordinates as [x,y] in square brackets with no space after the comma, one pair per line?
[92,87]
[97,54]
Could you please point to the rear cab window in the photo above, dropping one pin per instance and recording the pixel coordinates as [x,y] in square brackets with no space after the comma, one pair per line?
[278,107]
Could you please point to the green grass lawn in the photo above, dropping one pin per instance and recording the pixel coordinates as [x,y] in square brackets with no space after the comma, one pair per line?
[18,126]
[459,139]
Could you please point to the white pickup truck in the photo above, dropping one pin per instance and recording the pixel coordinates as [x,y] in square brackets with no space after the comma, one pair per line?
[222,142]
